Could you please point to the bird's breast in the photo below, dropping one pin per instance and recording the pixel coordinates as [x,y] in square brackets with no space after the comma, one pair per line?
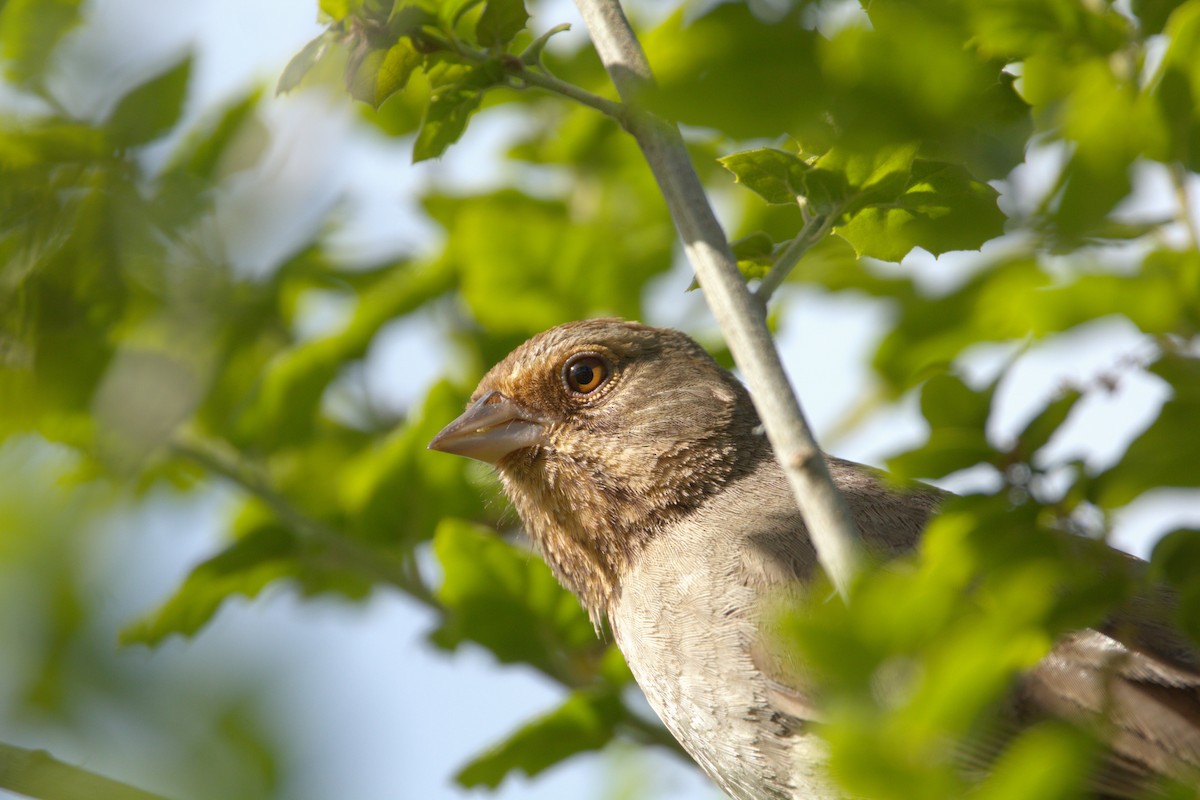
[688,617]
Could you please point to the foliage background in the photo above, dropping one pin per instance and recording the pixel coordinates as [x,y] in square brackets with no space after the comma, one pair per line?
[230,322]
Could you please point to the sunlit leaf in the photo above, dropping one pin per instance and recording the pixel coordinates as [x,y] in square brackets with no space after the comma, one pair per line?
[774,175]
[941,209]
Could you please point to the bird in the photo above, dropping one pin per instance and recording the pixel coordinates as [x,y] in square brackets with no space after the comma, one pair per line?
[640,471]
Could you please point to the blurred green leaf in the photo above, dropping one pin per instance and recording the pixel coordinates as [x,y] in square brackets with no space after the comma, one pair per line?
[993,305]
[1045,423]
[1051,760]
[457,93]
[303,62]
[151,109]
[285,409]
[730,70]
[500,22]
[585,721]
[506,600]
[561,267]
[35,773]
[957,416]
[409,16]
[755,255]
[29,32]
[397,471]
[1163,455]
[399,63]
[1175,559]
[244,568]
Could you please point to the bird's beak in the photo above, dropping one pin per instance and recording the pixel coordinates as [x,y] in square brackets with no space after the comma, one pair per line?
[491,429]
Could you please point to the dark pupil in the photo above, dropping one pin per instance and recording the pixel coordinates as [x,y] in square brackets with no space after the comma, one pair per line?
[582,374]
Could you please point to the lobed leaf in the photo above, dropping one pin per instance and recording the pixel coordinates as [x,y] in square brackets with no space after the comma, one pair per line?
[774,175]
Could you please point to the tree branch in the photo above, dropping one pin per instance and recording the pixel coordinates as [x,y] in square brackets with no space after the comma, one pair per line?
[36,773]
[737,311]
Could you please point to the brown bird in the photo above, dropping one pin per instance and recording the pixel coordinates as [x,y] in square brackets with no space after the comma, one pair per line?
[641,473]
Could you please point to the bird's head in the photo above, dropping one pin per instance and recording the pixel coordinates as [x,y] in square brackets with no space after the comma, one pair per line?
[603,432]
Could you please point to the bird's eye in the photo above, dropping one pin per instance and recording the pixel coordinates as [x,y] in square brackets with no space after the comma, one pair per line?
[585,373]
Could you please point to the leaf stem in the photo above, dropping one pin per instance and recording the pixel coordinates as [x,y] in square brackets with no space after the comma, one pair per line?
[738,313]
[814,230]
[543,79]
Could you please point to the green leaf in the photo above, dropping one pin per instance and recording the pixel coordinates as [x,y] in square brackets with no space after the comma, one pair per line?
[244,568]
[303,62]
[398,471]
[151,109]
[450,107]
[500,22]
[338,10]
[774,175]
[564,265]
[399,64]
[379,74]
[202,152]
[1175,561]
[585,721]
[941,209]
[844,180]
[29,32]
[957,416]
[1177,89]
[408,17]
[996,304]
[1164,454]
[285,410]
[754,254]
[730,70]
[506,600]
[1039,430]
[1051,760]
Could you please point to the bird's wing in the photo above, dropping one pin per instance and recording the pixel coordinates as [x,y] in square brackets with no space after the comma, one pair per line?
[1147,708]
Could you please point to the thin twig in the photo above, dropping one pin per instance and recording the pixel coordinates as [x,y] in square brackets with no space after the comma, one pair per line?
[545,80]
[737,312]
[532,76]
[814,231]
